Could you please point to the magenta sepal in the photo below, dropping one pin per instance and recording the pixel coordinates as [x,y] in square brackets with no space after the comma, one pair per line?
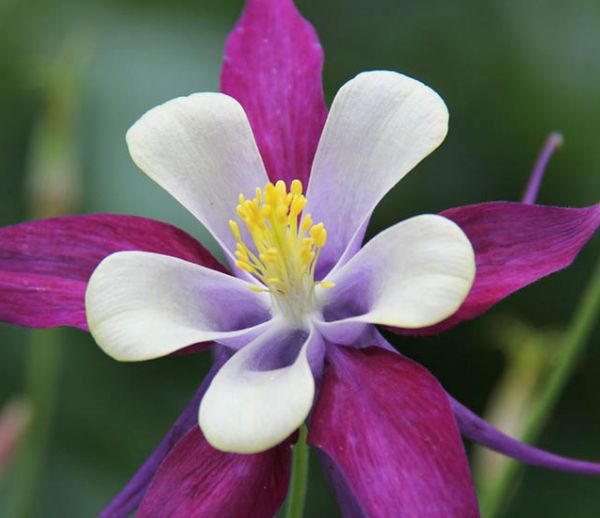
[196,481]
[387,425]
[346,500]
[45,265]
[515,245]
[272,66]
[482,432]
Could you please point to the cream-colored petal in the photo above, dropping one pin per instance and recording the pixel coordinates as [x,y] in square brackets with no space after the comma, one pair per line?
[414,274]
[142,305]
[247,410]
[202,151]
[381,125]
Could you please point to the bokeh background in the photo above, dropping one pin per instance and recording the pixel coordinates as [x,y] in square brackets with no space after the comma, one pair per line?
[75,75]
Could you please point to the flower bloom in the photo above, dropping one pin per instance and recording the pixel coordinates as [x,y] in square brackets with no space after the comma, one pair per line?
[294,326]
[274,313]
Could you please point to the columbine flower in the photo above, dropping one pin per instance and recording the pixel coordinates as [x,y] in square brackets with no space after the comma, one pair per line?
[294,326]
[300,286]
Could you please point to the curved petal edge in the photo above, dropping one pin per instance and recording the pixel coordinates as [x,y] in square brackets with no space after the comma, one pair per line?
[201,150]
[142,305]
[380,126]
[262,394]
[413,274]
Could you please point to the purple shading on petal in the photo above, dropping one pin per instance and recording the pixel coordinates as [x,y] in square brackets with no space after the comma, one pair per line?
[272,66]
[45,265]
[130,497]
[388,426]
[196,481]
[482,432]
[515,245]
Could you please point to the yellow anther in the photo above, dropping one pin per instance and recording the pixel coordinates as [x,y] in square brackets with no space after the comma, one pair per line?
[269,256]
[316,229]
[296,187]
[280,187]
[321,239]
[266,211]
[326,284]
[270,192]
[306,223]
[235,230]
[252,227]
[297,206]
[319,234]
[284,252]
[243,265]
[281,213]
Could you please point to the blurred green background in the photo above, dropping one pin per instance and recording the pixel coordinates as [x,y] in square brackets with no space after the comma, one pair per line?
[510,71]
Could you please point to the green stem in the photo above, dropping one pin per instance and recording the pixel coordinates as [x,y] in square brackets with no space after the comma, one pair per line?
[42,379]
[574,340]
[298,483]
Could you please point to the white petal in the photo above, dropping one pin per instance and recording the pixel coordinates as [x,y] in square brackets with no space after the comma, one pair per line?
[246,410]
[201,150]
[380,126]
[414,274]
[142,305]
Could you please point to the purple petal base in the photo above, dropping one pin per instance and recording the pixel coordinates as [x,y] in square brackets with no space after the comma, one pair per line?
[480,431]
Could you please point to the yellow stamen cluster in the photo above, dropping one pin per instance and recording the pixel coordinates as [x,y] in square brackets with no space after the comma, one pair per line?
[286,246]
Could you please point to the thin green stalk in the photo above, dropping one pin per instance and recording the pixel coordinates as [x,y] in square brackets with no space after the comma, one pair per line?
[299,481]
[574,340]
[42,379]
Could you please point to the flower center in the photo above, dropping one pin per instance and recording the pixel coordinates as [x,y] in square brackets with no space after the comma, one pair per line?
[286,246]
